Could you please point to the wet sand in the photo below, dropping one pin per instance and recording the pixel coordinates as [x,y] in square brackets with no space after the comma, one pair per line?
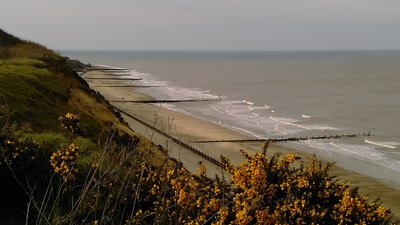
[189,128]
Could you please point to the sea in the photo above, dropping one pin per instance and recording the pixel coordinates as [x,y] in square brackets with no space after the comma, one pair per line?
[281,94]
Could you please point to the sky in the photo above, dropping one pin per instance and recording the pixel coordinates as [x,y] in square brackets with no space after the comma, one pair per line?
[205,24]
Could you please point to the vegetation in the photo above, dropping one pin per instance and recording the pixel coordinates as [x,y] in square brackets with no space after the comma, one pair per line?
[66,172]
[114,184]
[37,85]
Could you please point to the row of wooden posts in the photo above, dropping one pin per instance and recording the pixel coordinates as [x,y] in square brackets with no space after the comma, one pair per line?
[143,86]
[289,139]
[176,140]
[166,100]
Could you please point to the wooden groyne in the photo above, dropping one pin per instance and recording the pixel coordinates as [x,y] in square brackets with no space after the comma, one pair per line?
[290,139]
[109,78]
[101,70]
[176,140]
[165,100]
[109,71]
[136,86]
[115,75]
[106,69]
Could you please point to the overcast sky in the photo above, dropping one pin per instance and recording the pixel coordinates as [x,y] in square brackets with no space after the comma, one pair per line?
[205,24]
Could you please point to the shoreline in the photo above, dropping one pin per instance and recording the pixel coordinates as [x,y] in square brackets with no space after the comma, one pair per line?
[189,128]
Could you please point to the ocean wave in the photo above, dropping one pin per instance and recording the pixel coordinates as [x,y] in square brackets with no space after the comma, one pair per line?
[119,73]
[187,93]
[359,150]
[280,131]
[111,67]
[139,74]
[318,145]
[259,120]
[254,107]
[322,127]
[354,150]
[240,129]
[216,109]
[248,103]
[289,123]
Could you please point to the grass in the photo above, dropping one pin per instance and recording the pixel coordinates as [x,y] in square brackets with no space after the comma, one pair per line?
[32,91]
[55,140]
[38,86]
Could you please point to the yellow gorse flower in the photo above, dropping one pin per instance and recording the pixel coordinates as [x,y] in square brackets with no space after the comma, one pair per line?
[261,190]
[63,162]
[70,122]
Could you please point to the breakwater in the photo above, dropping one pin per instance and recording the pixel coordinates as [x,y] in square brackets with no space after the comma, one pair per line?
[290,139]
[165,100]
[176,140]
[110,78]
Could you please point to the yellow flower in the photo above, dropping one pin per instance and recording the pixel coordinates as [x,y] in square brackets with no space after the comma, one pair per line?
[381,212]
[63,160]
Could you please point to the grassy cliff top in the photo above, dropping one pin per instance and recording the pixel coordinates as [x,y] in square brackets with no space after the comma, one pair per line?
[38,86]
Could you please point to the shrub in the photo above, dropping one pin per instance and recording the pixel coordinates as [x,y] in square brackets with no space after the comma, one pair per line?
[70,122]
[261,190]
[117,186]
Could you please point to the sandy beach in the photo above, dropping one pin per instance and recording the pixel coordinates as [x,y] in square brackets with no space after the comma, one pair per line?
[188,129]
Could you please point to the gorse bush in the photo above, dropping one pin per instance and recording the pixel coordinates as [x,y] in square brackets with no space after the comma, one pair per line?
[261,190]
[113,184]
[63,162]
[70,122]
[23,166]
[273,191]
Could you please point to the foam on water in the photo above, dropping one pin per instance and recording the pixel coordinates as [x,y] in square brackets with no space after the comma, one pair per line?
[111,67]
[248,103]
[323,127]
[357,150]
[285,121]
[368,153]
[382,144]
[125,73]
[240,129]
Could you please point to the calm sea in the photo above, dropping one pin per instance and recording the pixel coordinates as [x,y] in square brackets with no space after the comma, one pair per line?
[285,94]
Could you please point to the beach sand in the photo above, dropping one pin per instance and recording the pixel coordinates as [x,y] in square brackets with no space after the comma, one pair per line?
[189,128]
